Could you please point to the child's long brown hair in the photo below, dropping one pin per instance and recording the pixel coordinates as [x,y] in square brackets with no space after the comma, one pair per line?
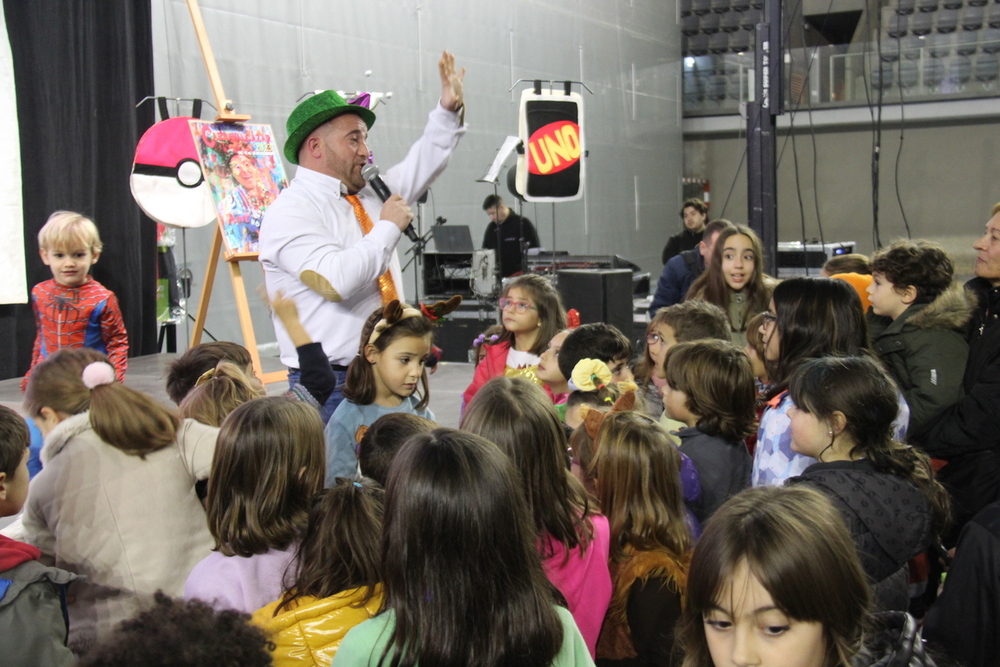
[341,548]
[360,386]
[860,389]
[518,417]
[711,285]
[270,460]
[121,416]
[638,484]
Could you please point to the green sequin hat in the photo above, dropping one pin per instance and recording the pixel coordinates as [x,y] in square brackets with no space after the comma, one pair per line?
[313,112]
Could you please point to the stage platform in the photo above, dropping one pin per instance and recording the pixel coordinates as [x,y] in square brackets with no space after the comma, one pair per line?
[148,374]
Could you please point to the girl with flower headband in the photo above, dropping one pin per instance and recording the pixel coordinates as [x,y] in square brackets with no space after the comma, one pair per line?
[595,396]
[383,378]
[531,313]
[269,464]
[116,498]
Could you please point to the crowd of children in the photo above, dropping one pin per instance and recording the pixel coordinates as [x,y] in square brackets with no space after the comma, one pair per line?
[594,505]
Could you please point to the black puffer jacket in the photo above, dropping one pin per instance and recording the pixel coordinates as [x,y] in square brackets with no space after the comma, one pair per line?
[895,642]
[967,435]
[889,518]
[926,349]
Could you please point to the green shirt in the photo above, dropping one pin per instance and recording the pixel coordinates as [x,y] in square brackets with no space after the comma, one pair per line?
[365,643]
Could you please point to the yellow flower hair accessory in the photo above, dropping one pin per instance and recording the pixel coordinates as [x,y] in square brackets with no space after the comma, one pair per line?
[590,375]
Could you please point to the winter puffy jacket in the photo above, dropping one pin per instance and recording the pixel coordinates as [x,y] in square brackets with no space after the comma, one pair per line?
[889,518]
[309,633]
[926,350]
[130,525]
[967,435]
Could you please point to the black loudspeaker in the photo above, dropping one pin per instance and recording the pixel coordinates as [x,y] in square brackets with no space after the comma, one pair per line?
[600,295]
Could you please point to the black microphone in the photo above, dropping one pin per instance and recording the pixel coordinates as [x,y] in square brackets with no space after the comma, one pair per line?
[369,172]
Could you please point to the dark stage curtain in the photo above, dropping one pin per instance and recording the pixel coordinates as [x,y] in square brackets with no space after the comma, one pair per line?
[79,69]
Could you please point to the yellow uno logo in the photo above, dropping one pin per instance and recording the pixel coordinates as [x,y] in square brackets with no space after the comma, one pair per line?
[554,147]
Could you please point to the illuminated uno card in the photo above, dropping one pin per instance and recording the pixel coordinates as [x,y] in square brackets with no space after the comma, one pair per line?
[550,126]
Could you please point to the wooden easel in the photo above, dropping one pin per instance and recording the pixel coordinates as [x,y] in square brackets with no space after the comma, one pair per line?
[226,115]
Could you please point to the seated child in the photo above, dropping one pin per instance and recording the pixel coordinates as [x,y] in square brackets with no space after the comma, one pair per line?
[182,634]
[710,388]
[184,371]
[680,323]
[116,499]
[268,466]
[32,608]
[638,482]
[917,324]
[336,580]
[843,414]
[383,439]
[572,537]
[384,377]
[69,245]
[850,263]
[218,392]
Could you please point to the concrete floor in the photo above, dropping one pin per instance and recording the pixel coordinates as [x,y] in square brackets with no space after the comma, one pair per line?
[148,374]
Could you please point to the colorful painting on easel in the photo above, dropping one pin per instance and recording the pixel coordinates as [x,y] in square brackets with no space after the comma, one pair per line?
[244,172]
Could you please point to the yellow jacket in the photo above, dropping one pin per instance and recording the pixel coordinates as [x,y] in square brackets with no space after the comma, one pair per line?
[310,632]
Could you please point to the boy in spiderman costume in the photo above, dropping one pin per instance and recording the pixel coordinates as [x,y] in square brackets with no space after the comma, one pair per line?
[73,309]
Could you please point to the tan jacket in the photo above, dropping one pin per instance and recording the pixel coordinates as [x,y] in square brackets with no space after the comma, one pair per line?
[129,525]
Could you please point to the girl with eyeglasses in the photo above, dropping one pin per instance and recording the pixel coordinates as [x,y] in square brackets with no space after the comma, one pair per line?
[531,313]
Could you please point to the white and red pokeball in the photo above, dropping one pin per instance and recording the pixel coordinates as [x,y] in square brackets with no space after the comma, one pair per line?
[167,181]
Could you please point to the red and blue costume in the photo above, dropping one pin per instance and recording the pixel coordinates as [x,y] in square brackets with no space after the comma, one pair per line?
[85,316]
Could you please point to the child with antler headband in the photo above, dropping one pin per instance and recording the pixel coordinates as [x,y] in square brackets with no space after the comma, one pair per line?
[383,378]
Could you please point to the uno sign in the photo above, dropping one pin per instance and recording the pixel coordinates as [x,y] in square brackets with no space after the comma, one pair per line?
[554,147]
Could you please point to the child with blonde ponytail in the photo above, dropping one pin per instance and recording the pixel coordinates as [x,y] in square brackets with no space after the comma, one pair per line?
[116,499]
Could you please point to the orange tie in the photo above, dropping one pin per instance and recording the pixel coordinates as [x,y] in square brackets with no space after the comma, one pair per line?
[386,286]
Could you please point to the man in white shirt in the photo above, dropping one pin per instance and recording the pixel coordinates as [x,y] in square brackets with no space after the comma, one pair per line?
[327,241]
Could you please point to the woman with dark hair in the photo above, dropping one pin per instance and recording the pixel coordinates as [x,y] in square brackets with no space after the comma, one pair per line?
[574,539]
[463,581]
[807,318]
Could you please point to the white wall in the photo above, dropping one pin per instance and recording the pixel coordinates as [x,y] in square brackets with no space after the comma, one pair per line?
[947,182]
[626,51]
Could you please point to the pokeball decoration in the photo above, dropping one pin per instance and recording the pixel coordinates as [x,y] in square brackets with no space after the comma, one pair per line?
[167,180]
[550,127]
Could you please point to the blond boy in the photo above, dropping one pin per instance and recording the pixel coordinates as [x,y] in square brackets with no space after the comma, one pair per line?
[73,309]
